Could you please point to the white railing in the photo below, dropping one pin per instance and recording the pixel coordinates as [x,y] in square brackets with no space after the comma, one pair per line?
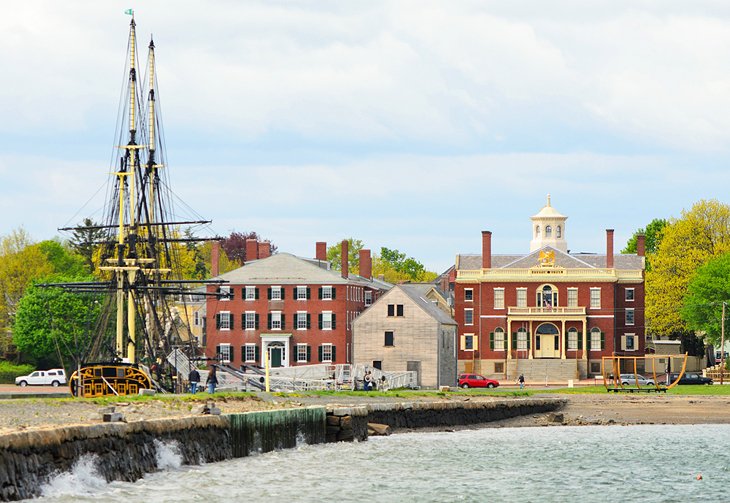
[583,272]
[546,310]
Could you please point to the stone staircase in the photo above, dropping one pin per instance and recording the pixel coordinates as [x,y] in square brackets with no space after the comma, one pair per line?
[546,371]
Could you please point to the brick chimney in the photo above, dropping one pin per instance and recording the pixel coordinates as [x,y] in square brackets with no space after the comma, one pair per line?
[609,248]
[252,250]
[215,258]
[264,249]
[345,255]
[366,265]
[486,249]
[321,253]
[641,245]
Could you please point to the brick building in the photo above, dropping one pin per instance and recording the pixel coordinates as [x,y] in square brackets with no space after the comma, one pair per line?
[295,310]
[550,314]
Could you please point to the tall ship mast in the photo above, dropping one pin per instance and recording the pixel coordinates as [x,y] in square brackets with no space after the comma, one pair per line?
[138,270]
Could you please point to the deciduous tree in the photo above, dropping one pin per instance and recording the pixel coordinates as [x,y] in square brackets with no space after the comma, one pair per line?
[652,234]
[334,255]
[706,292]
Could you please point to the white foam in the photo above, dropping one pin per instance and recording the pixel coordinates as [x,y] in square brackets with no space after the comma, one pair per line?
[168,455]
[81,480]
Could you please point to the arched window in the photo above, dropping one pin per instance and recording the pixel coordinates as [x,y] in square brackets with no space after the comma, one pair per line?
[522,343]
[547,296]
[573,339]
[537,231]
[548,231]
[558,232]
[499,339]
[597,341]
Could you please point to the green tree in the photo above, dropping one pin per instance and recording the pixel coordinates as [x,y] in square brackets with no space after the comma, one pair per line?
[706,292]
[334,255]
[652,234]
[63,259]
[86,240]
[395,267]
[687,243]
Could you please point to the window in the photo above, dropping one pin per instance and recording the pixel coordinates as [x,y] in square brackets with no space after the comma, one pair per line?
[196,318]
[389,338]
[368,298]
[326,353]
[250,351]
[395,309]
[572,339]
[468,342]
[522,297]
[629,295]
[225,293]
[326,293]
[378,364]
[326,320]
[548,231]
[275,318]
[630,316]
[597,339]
[558,232]
[572,297]
[302,320]
[595,298]
[249,322]
[537,231]
[628,342]
[224,352]
[595,367]
[547,297]
[468,316]
[498,367]
[468,294]
[302,293]
[251,293]
[522,339]
[303,353]
[276,293]
[499,298]
[224,320]
[499,339]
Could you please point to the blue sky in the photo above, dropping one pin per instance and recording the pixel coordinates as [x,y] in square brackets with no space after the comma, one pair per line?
[412,125]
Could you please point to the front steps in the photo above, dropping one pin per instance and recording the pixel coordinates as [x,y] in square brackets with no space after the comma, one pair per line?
[542,370]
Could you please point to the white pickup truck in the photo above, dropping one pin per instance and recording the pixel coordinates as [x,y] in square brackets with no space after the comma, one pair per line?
[52,377]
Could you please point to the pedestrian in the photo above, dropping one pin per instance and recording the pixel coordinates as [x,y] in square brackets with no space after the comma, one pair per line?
[521,380]
[212,380]
[368,381]
[194,379]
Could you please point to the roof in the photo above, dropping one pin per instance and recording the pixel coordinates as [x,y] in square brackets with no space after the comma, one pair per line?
[548,211]
[621,261]
[417,293]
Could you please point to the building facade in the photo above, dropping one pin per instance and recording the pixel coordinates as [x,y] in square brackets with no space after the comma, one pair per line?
[409,328]
[291,310]
[550,315]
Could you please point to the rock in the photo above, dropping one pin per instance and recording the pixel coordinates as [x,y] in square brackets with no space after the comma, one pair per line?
[556,417]
[113,417]
[379,429]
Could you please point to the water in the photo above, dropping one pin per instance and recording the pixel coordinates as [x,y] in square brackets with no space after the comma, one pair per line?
[647,463]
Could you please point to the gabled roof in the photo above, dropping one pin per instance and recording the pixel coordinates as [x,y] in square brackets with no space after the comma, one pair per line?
[562,259]
[418,292]
[567,260]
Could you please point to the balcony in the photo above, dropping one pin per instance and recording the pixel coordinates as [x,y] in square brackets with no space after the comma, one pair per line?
[546,311]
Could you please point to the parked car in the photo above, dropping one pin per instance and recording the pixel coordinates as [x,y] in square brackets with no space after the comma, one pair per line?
[52,377]
[476,381]
[690,378]
[632,379]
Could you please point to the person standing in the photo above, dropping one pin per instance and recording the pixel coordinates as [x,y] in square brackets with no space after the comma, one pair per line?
[194,379]
[368,381]
[212,380]
[521,380]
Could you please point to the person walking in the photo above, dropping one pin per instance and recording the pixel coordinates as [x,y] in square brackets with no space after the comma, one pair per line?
[212,380]
[194,379]
[521,380]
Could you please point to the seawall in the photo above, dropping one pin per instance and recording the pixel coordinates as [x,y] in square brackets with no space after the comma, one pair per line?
[126,451]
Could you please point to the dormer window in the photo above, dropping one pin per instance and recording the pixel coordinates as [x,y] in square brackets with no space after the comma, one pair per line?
[548,231]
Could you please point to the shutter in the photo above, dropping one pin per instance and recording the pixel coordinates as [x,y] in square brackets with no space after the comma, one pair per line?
[580,340]
[334,354]
[256,293]
[309,293]
[243,293]
[243,353]
[282,292]
[319,293]
[491,341]
[268,292]
[309,322]
[603,341]
[334,323]
[319,353]
[256,321]
[257,353]
[309,353]
[334,293]
[243,321]
[231,295]
[529,339]
[588,341]
[218,352]
[218,321]
[268,323]
[514,340]
[230,321]
[283,321]
[462,342]
[475,342]
[320,325]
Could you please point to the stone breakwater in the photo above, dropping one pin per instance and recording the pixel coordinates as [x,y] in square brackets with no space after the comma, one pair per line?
[126,451]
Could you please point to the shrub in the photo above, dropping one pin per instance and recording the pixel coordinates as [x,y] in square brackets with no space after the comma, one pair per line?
[9,371]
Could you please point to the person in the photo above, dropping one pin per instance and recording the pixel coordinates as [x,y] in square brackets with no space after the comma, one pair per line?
[212,380]
[383,384]
[521,380]
[368,381]
[194,379]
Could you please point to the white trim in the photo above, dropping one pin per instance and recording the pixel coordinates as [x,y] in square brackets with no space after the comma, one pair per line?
[601,316]
[493,316]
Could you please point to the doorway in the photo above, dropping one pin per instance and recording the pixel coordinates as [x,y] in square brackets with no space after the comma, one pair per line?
[547,341]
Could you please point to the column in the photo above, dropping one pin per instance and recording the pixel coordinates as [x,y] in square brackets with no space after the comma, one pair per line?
[509,340]
[562,339]
[531,350]
[585,341]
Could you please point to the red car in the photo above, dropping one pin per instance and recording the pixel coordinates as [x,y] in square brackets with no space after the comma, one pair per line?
[476,381]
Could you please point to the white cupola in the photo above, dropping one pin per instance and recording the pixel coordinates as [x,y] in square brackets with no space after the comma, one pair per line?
[548,229]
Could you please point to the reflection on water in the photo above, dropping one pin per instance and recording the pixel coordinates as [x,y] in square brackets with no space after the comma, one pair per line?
[647,463]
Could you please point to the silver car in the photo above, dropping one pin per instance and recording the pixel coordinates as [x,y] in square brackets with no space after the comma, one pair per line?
[632,379]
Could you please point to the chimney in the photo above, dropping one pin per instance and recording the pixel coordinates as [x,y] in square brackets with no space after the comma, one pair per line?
[486,249]
[252,250]
[345,262]
[264,249]
[321,253]
[366,265]
[609,248]
[641,245]
[215,258]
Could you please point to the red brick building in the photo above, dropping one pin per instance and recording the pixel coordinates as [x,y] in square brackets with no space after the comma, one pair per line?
[297,311]
[550,314]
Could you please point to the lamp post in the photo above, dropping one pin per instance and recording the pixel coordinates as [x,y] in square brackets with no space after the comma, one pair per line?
[722,344]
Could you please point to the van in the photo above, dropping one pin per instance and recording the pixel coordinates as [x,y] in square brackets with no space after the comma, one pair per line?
[52,377]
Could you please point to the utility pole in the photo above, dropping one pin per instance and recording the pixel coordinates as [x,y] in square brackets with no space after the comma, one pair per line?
[722,344]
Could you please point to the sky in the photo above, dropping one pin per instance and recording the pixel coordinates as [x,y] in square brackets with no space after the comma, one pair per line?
[411,125]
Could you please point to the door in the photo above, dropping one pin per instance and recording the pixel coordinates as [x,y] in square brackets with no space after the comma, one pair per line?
[547,341]
[275,357]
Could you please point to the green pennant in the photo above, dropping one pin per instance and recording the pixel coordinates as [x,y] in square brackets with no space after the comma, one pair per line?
[129,12]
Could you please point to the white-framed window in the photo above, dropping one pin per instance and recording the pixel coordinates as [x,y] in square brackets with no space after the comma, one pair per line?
[301,320]
[522,297]
[548,231]
[225,292]
[326,352]
[572,339]
[249,322]
[225,320]
[629,315]
[368,298]
[499,298]
[326,320]
[301,293]
[468,316]
[522,337]
[595,298]
[558,232]
[499,341]
[596,339]
[225,352]
[250,352]
[468,294]
[326,293]
[275,320]
[572,297]
[629,295]
[302,353]
[469,342]
[196,318]
[628,342]
[250,292]
[547,297]
[275,293]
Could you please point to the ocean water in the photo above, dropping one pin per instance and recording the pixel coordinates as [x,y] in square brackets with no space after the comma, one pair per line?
[646,463]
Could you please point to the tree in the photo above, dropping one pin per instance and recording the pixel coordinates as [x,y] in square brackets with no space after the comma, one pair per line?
[86,239]
[334,255]
[686,244]
[234,246]
[63,259]
[706,292]
[652,234]
[395,267]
